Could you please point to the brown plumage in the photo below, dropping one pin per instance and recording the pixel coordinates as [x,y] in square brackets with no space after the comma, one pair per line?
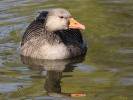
[50,36]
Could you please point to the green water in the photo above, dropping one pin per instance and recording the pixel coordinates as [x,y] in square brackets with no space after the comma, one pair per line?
[105,74]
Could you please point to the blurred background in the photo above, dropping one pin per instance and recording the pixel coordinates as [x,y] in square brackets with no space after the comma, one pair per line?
[105,74]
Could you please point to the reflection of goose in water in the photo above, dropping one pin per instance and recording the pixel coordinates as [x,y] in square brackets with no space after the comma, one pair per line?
[54,70]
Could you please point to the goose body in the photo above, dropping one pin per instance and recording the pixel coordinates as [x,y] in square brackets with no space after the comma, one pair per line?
[53,35]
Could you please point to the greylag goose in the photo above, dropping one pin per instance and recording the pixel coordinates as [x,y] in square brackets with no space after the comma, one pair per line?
[53,35]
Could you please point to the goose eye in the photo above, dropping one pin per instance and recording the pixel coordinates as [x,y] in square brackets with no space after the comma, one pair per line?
[61,16]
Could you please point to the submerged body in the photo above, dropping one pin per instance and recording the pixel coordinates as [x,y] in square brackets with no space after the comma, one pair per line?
[50,37]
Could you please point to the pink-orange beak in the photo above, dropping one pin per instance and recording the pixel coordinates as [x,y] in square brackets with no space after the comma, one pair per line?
[78,95]
[75,25]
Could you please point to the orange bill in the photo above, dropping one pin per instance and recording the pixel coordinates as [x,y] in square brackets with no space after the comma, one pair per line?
[78,95]
[75,25]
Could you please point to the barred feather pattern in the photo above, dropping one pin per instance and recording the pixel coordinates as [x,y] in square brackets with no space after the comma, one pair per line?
[35,29]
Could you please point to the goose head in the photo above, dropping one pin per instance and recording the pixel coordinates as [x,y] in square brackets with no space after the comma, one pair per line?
[60,19]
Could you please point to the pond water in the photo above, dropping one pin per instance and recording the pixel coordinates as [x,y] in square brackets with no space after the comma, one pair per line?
[106,73]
